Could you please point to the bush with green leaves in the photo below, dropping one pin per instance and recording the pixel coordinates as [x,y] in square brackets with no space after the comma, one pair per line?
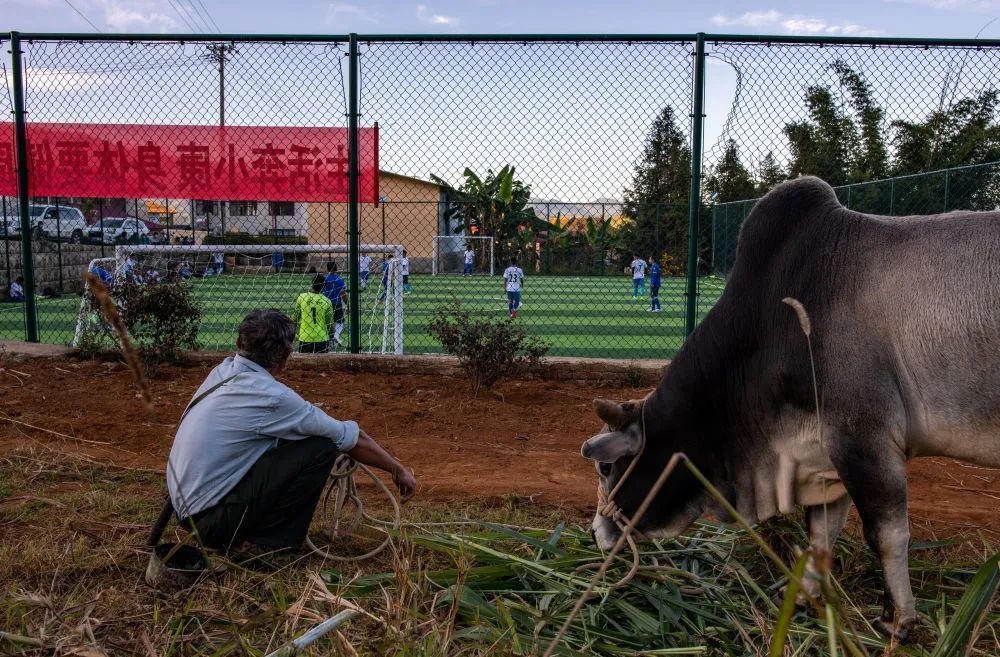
[488,348]
[163,318]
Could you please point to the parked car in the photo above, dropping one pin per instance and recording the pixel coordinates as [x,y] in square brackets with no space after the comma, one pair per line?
[118,230]
[60,223]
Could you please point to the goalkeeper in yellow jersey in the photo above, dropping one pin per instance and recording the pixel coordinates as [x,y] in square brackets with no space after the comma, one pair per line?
[313,317]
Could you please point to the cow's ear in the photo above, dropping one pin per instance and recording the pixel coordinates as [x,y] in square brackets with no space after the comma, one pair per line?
[609,447]
[611,412]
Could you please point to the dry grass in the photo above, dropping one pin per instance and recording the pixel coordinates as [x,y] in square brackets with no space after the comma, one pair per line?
[72,562]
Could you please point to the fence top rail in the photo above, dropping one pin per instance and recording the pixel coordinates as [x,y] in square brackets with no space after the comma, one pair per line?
[882,181]
[767,39]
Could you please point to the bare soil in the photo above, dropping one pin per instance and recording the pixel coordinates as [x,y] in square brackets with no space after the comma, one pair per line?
[523,441]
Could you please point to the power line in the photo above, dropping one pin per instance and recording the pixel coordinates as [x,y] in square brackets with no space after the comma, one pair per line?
[183,17]
[195,16]
[209,15]
[82,15]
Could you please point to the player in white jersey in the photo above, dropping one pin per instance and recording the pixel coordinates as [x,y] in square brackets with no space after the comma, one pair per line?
[470,257]
[404,265]
[638,268]
[365,269]
[513,282]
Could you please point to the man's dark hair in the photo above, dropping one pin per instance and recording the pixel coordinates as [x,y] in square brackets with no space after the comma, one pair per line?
[266,337]
[513,261]
[318,282]
[19,280]
[331,267]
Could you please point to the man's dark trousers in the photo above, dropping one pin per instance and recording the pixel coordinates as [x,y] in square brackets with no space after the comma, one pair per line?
[274,502]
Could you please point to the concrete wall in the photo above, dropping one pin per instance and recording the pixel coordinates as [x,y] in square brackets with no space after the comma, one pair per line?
[410,216]
[47,258]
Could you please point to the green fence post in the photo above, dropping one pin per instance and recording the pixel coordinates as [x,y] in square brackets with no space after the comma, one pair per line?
[21,147]
[694,200]
[353,238]
[947,181]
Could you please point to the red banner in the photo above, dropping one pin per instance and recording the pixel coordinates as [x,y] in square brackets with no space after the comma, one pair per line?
[235,163]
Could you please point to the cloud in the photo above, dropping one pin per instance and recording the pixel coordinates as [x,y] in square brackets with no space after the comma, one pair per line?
[772,19]
[344,11]
[952,5]
[427,16]
[54,79]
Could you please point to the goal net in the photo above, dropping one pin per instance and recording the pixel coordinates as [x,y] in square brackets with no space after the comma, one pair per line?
[229,281]
[451,253]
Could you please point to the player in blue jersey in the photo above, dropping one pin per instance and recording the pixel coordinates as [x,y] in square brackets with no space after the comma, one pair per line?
[654,285]
[335,289]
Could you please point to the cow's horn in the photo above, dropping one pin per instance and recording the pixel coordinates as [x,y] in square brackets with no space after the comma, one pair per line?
[610,411]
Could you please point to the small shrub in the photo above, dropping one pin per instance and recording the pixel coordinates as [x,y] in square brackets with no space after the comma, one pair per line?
[162,319]
[489,348]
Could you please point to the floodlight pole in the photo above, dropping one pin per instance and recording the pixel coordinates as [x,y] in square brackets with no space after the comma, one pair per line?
[21,148]
[353,194]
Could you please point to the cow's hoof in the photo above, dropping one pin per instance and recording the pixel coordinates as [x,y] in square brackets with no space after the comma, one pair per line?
[898,631]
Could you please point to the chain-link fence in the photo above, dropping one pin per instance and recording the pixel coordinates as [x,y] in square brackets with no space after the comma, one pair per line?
[571,158]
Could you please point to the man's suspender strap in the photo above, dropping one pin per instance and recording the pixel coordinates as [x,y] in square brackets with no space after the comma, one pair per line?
[168,508]
[200,397]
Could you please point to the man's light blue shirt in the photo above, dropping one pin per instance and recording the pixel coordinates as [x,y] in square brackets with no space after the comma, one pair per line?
[226,432]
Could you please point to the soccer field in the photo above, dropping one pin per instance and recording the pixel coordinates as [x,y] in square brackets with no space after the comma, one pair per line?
[578,316]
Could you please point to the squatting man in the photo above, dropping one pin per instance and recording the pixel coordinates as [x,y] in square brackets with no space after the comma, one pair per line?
[251,457]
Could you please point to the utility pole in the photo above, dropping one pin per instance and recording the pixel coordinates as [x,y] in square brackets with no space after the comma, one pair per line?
[219,53]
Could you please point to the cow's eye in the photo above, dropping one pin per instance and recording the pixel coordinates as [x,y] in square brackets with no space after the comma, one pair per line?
[604,469]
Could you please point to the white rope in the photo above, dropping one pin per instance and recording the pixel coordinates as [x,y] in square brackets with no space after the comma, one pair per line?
[344,489]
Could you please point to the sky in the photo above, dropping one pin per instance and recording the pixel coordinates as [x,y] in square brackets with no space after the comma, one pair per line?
[928,18]
[572,118]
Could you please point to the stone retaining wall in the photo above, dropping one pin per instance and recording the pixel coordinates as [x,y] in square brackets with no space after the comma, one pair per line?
[49,259]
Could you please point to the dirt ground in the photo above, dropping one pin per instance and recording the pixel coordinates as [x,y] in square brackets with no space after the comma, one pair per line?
[523,442]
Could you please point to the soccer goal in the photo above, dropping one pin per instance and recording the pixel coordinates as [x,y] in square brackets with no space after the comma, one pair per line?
[231,280]
[450,254]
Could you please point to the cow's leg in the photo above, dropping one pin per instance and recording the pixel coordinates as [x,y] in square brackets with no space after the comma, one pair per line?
[874,473]
[824,523]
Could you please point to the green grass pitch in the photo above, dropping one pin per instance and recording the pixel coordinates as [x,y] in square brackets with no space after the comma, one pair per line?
[578,316]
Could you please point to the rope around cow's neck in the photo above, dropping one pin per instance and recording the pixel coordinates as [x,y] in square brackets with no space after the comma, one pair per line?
[344,489]
[607,507]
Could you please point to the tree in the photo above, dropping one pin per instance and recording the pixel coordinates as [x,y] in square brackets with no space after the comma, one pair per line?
[834,144]
[657,201]
[730,180]
[769,174]
[494,205]
[964,134]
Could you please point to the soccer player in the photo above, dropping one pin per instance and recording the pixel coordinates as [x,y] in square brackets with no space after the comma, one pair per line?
[654,285]
[638,268]
[385,279]
[16,292]
[404,262]
[335,289]
[312,315]
[365,269]
[513,281]
[470,257]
